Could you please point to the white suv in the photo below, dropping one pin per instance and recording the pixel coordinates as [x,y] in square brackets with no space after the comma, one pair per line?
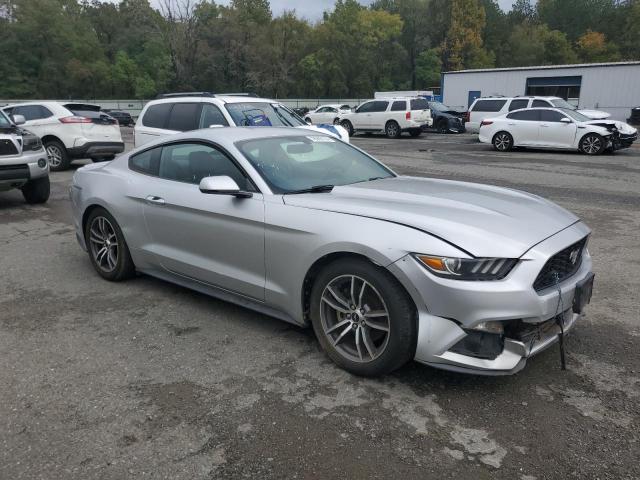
[392,116]
[181,112]
[71,131]
[490,107]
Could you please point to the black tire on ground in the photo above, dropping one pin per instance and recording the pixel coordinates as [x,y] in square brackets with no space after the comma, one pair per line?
[57,155]
[415,132]
[592,144]
[502,141]
[396,347]
[336,121]
[392,129]
[124,267]
[346,124]
[308,121]
[36,191]
[442,126]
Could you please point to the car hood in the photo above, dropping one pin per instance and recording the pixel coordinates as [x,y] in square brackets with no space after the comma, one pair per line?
[595,114]
[335,130]
[622,127]
[482,220]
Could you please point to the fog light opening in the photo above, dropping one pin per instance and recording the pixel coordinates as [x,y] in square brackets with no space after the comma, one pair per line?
[42,163]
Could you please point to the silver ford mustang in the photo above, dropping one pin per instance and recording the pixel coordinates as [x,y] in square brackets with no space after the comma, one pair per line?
[306,228]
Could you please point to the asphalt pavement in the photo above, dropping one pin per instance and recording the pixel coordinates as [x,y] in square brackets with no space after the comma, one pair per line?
[144,379]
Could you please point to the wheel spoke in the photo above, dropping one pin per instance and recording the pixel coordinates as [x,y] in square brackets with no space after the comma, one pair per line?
[341,336]
[352,290]
[376,313]
[367,342]
[95,236]
[111,259]
[337,326]
[341,300]
[101,254]
[358,332]
[364,285]
[377,326]
[334,306]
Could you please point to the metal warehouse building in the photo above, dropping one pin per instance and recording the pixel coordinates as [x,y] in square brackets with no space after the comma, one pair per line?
[612,87]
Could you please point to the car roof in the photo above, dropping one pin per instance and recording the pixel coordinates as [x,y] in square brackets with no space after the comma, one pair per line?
[217,100]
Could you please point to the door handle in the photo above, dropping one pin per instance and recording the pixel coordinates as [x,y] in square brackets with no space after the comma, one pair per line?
[544,126]
[511,124]
[155,200]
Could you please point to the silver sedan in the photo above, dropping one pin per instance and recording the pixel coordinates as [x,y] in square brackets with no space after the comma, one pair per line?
[306,228]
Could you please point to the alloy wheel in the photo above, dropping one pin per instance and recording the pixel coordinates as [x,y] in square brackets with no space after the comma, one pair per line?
[103,243]
[591,144]
[502,142]
[392,130]
[355,318]
[54,155]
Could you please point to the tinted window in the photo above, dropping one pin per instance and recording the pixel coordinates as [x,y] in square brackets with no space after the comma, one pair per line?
[379,106]
[146,162]
[184,117]
[261,114]
[541,103]
[527,115]
[211,115]
[32,112]
[488,105]
[399,106]
[156,116]
[419,104]
[550,116]
[365,107]
[191,162]
[518,104]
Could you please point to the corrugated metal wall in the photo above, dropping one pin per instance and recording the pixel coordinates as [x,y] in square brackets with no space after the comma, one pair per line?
[614,88]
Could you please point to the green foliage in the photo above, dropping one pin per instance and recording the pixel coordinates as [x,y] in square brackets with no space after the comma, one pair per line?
[138,48]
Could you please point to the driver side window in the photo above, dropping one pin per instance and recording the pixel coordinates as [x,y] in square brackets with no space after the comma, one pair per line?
[365,107]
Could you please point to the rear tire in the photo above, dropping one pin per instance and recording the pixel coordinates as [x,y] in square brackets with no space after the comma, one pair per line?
[36,191]
[592,144]
[502,141]
[392,129]
[355,338]
[415,132]
[442,127]
[346,124]
[57,155]
[107,247]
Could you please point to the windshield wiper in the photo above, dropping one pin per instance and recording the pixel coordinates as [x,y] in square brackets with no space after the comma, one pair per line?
[282,117]
[314,189]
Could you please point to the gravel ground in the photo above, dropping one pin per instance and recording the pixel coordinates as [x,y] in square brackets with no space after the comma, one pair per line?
[148,380]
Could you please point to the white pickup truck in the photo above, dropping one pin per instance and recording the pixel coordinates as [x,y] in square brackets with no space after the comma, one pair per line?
[389,115]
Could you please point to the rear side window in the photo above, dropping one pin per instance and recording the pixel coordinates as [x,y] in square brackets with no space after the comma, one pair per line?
[184,117]
[156,115]
[419,104]
[488,105]
[541,103]
[518,104]
[211,115]
[146,162]
[399,106]
[527,115]
[379,106]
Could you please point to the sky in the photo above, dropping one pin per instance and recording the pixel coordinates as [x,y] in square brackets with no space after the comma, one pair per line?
[312,9]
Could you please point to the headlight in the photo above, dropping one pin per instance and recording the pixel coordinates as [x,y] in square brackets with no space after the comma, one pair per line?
[31,143]
[468,268]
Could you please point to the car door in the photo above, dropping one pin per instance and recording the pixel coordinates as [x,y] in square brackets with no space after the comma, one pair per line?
[38,118]
[322,116]
[361,118]
[215,239]
[378,117]
[554,132]
[524,126]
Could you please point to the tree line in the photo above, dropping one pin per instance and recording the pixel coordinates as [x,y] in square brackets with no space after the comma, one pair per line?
[135,49]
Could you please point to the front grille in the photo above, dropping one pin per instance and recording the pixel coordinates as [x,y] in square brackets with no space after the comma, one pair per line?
[14,172]
[561,266]
[7,147]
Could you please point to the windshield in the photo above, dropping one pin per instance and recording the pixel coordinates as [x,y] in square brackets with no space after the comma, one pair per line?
[438,106]
[4,121]
[577,116]
[294,163]
[263,114]
[560,103]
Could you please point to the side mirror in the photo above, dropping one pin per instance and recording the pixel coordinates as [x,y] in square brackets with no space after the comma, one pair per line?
[222,185]
[565,120]
[18,119]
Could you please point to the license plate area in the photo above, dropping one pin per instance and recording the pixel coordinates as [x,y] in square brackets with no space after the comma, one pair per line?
[583,292]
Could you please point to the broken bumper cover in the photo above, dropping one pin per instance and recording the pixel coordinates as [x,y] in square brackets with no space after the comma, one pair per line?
[449,311]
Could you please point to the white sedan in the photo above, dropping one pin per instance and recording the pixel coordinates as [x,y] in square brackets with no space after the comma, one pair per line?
[556,128]
[326,114]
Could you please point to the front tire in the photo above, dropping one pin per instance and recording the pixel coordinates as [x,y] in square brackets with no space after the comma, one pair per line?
[592,144]
[107,247]
[57,155]
[415,132]
[502,141]
[442,127]
[36,191]
[363,318]
[392,129]
[346,124]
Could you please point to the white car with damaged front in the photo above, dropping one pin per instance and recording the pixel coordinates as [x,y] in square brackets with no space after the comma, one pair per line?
[555,128]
